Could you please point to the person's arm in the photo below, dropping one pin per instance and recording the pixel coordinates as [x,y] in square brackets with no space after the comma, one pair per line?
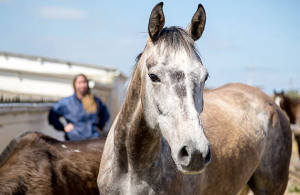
[103,115]
[53,117]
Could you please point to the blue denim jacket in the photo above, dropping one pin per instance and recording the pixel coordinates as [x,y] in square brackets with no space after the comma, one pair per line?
[86,125]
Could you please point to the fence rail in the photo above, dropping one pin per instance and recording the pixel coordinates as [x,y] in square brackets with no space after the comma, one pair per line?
[23,98]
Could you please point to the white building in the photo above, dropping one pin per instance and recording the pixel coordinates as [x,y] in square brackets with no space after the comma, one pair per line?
[28,85]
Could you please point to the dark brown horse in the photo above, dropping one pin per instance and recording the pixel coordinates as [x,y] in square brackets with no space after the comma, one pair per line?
[159,142]
[38,164]
[292,108]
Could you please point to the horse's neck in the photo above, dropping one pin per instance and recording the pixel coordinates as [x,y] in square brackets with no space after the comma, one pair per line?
[136,144]
[143,145]
[298,113]
[141,155]
[295,110]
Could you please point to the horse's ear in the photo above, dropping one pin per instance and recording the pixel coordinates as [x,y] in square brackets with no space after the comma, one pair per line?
[156,22]
[196,27]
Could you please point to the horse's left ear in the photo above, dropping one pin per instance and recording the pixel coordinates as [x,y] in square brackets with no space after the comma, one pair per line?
[196,27]
[156,22]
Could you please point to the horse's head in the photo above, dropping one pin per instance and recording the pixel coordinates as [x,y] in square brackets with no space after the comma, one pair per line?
[172,80]
[279,98]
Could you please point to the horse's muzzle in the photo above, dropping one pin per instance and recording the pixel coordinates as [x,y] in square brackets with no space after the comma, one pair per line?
[193,160]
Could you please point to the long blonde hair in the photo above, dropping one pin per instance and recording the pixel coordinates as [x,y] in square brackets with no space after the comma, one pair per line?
[88,100]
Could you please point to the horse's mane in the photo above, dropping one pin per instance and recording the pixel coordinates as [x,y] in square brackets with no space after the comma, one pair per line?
[10,148]
[7,151]
[137,60]
[14,143]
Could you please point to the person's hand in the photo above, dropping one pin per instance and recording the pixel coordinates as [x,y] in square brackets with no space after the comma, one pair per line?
[69,127]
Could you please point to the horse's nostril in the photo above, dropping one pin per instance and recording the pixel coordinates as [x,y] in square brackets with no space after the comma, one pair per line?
[183,155]
[208,157]
[184,151]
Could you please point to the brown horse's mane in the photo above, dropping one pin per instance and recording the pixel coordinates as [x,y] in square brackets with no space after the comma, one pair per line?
[8,150]
[14,143]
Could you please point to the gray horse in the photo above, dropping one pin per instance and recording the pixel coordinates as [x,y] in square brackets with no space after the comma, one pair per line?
[158,143]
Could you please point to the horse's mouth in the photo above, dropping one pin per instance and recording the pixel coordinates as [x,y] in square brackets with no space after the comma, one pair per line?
[188,171]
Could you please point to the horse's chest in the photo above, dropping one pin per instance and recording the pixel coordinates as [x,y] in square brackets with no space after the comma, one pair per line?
[144,185]
[130,187]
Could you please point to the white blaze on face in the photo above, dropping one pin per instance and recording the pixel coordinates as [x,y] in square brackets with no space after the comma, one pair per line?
[278,100]
[174,104]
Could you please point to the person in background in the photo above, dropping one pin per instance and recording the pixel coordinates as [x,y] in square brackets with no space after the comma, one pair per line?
[85,113]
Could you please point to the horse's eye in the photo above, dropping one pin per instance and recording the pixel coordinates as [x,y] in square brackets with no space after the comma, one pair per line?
[154,78]
[206,77]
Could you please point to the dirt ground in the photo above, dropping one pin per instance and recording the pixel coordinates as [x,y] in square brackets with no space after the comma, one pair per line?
[294,176]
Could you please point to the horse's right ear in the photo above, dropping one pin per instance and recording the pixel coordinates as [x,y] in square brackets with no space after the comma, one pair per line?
[156,22]
[196,27]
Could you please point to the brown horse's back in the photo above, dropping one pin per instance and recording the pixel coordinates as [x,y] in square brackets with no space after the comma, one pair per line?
[250,141]
[38,164]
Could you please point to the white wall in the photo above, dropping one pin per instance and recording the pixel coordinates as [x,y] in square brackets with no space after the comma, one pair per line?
[16,120]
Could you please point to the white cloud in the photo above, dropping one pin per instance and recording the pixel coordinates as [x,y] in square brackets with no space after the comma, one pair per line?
[60,13]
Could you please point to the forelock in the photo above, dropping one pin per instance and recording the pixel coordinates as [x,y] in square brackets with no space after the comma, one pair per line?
[173,39]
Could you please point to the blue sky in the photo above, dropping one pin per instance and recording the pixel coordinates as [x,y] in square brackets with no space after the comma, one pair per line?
[255,42]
